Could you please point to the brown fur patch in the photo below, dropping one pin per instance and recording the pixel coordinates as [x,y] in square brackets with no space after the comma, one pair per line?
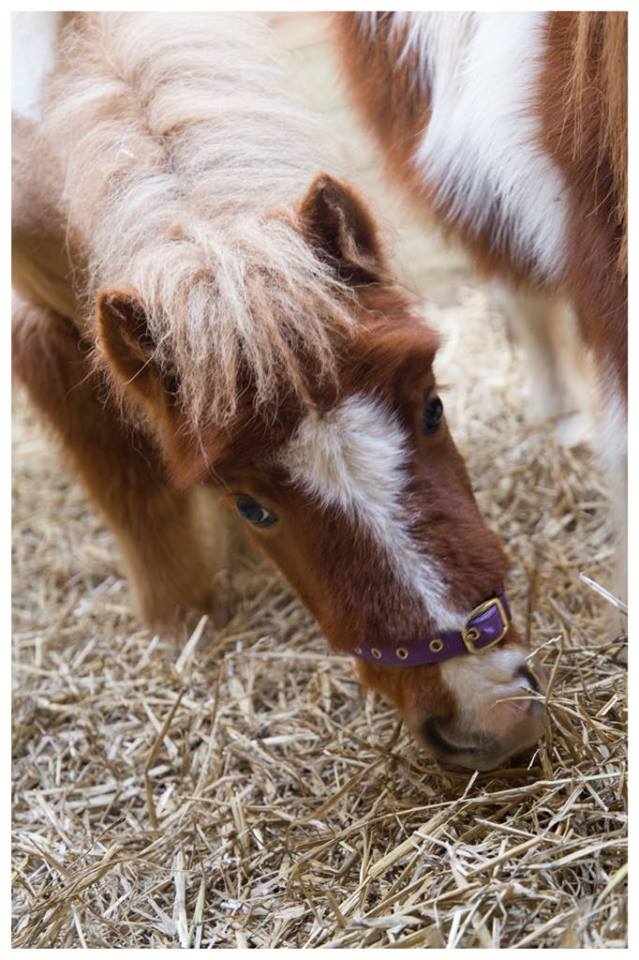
[582,101]
[120,465]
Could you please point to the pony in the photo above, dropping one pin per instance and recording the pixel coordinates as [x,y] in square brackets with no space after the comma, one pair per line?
[510,129]
[208,321]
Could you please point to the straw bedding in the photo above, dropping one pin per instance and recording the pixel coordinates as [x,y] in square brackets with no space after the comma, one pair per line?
[234,788]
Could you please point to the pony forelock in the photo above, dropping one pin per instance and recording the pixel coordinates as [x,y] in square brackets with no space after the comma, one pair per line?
[184,162]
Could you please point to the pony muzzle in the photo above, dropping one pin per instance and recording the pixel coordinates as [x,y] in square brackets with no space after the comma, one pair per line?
[497,729]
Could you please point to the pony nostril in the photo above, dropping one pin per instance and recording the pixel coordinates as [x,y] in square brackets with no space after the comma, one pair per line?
[529,677]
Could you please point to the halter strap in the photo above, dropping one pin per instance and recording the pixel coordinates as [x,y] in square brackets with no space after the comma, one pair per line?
[486,626]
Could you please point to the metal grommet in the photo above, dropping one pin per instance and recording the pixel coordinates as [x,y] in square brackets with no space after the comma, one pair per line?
[473,634]
[376,653]
[358,651]
[436,645]
[402,653]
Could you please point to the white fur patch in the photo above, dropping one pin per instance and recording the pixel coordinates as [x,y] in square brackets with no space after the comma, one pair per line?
[482,144]
[478,682]
[353,458]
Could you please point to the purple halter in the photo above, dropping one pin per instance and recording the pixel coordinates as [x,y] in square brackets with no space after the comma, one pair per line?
[487,625]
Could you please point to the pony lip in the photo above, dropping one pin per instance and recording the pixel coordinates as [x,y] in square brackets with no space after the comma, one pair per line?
[509,728]
[443,743]
[481,753]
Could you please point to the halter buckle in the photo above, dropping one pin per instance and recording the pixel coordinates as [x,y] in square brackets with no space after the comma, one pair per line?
[471,634]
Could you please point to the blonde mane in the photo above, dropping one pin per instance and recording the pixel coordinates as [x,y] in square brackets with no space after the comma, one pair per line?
[183,163]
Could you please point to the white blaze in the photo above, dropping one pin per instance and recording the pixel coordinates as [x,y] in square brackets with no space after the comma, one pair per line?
[353,458]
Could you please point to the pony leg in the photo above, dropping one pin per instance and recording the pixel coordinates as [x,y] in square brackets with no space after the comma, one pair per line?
[156,525]
[612,446]
[565,382]
[561,379]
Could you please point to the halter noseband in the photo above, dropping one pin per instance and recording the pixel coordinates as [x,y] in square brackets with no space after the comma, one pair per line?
[486,626]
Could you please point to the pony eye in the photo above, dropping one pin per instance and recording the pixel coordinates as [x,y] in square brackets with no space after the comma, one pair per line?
[254,512]
[433,413]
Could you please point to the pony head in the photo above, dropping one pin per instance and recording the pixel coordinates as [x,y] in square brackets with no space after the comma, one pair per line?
[353,486]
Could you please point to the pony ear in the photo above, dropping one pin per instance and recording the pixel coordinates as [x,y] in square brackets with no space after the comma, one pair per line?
[129,349]
[343,231]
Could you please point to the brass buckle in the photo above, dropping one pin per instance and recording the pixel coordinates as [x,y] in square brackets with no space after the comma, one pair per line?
[470,634]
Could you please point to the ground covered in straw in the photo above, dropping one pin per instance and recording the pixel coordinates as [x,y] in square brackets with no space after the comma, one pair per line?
[234,788]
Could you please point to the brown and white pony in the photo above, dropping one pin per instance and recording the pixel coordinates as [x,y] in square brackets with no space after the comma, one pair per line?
[511,129]
[208,322]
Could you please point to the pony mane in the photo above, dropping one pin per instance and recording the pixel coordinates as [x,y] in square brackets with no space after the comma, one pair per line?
[184,161]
